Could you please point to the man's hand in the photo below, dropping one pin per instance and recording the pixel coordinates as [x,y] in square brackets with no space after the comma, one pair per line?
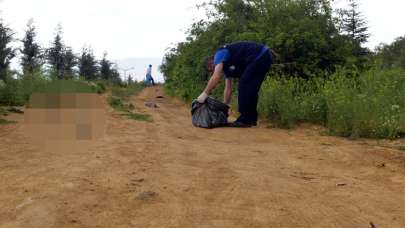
[230,111]
[202,98]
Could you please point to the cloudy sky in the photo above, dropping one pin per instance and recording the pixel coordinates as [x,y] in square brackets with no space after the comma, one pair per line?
[145,28]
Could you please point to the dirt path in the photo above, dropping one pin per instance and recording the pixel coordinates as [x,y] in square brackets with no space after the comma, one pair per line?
[169,174]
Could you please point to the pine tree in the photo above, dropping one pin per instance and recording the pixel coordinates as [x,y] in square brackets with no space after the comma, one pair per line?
[55,55]
[70,61]
[7,53]
[105,68]
[88,65]
[31,59]
[354,25]
[130,80]
[115,76]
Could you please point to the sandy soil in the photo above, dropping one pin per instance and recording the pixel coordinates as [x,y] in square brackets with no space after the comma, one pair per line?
[169,174]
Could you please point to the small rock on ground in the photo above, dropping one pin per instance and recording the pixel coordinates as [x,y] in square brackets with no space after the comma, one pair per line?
[146,195]
[151,105]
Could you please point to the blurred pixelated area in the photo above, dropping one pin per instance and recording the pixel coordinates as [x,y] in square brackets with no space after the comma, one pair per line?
[65,116]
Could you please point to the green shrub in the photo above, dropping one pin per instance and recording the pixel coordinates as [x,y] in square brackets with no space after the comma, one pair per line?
[3,111]
[372,106]
[11,93]
[116,102]
[101,87]
[127,91]
[287,101]
[137,116]
[68,86]
[4,122]
[32,83]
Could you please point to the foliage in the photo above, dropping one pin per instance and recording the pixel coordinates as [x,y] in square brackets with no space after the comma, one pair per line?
[70,62]
[303,32]
[101,87]
[55,55]
[32,57]
[130,80]
[372,105]
[16,88]
[68,86]
[88,64]
[138,117]
[11,94]
[4,122]
[354,24]
[30,83]
[124,92]
[106,71]
[3,111]
[119,104]
[7,53]
[119,101]
[288,101]
[61,58]
[116,102]
[392,55]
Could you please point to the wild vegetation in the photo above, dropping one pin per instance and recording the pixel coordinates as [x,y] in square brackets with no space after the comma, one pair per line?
[322,74]
[118,99]
[51,69]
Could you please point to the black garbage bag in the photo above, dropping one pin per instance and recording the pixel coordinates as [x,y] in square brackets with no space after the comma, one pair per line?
[210,114]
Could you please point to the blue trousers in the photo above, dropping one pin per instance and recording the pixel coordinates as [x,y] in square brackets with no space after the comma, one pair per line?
[249,87]
[149,79]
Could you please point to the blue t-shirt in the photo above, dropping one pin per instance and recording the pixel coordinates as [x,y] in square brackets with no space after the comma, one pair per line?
[221,56]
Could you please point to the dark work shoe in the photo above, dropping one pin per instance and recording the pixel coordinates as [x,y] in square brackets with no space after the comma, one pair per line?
[238,124]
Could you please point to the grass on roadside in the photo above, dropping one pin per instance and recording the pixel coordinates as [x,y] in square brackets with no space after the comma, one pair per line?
[118,101]
[138,116]
[128,91]
[4,122]
[370,104]
[3,111]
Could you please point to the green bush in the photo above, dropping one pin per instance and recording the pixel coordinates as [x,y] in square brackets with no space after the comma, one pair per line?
[287,101]
[138,117]
[4,122]
[116,102]
[11,93]
[371,104]
[125,92]
[68,86]
[101,87]
[32,83]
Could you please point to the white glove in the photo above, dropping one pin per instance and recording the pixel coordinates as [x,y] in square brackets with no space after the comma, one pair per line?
[202,98]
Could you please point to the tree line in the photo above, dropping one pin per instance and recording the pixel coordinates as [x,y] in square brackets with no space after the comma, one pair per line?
[58,61]
[309,36]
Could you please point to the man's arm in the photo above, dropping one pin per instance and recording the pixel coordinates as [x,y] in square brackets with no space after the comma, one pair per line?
[215,79]
[213,82]
[228,91]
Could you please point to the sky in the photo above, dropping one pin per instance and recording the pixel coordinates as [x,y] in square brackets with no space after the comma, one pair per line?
[385,19]
[134,30]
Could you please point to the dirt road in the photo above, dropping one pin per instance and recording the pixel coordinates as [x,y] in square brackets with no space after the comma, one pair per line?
[169,174]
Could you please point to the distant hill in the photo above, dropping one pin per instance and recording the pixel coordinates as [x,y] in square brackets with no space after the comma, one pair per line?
[140,65]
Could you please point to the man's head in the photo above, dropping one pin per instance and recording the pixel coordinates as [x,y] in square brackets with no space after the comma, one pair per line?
[150,65]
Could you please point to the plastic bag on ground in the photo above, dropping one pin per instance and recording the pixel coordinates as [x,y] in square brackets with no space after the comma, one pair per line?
[210,114]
